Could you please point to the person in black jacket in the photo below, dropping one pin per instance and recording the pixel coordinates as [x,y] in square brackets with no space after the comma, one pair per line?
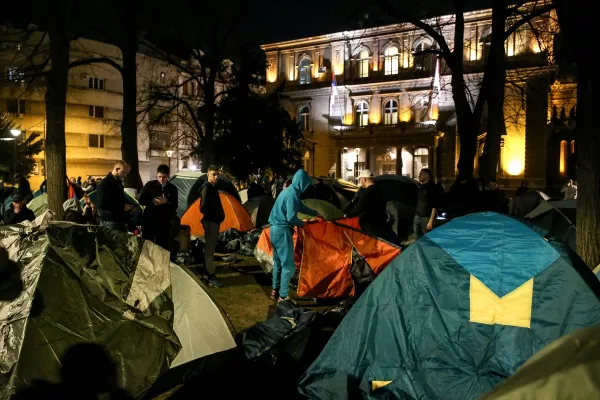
[113,207]
[24,189]
[159,198]
[428,202]
[213,215]
[18,212]
[370,207]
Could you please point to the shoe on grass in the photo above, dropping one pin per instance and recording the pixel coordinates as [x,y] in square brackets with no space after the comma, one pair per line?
[214,282]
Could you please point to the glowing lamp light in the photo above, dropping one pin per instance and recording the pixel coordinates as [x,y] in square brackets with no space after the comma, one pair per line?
[357,151]
[15,132]
[169,153]
[193,167]
[515,167]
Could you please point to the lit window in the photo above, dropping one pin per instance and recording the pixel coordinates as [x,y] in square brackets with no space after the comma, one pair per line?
[420,160]
[96,83]
[362,114]
[15,75]
[304,118]
[572,146]
[304,74]
[362,64]
[390,113]
[423,62]
[391,60]
[563,157]
[96,141]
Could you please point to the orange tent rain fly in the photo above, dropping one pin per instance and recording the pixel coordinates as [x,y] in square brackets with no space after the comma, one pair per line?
[236,216]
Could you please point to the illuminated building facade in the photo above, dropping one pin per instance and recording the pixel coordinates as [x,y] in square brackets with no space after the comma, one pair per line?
[390,108]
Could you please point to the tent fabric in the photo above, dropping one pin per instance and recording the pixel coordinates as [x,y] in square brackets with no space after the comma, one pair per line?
[200,333]
[525,203]
[223,185]
[565,369]
[456,313]
[236,216]
[558,218]
[243,195]
[39,204]
[183,182]
[323,254]
[259,209]
[102,287]
[400,193]
[327,210]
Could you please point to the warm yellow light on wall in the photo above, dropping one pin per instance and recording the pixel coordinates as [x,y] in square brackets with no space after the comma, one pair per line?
[515,167]
[473,56]
[374,117]
[338,69]
[348,119]
[435,113]
[405,116]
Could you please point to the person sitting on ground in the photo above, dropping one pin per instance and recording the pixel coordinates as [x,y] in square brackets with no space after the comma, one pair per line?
[18,212]
[113,206]
[284,219]
[160,199]
[371,207]
[73,211]
[213,214]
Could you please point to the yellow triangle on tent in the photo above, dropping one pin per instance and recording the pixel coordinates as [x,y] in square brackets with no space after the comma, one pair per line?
[379,384]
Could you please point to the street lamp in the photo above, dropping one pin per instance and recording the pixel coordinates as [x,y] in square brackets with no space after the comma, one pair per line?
[169,154]
[15,133]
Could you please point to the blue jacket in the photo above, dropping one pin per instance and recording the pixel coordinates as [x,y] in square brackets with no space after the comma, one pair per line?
[288,204]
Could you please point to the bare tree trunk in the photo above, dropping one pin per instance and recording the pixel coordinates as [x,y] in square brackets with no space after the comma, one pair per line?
[495,96]
[576,21]
[56,101]
[588,161]
[129,145]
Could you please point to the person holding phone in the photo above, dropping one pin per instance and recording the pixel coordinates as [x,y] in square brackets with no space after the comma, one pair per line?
[160,200]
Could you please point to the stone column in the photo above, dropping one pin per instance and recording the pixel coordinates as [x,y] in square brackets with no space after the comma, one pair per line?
[338,165]
[399,161]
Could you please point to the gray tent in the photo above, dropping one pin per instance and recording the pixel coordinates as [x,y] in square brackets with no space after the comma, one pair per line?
[93,285]
[558,218]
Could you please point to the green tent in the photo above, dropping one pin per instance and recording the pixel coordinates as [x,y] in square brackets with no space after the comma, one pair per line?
[102,287]
[455,314]
[565,369]
[39,204]
[326,209]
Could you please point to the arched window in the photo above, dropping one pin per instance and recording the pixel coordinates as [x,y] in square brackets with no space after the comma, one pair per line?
[423,62]
[306,162]
[304,71]
[421,108]
[563,157]
[362,64]
[304,118]
[572,146]
[486,40]
[390,57]
[362,113]
[390,112]
[421,160]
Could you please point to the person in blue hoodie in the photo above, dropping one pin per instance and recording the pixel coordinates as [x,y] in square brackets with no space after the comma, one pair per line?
[284,219]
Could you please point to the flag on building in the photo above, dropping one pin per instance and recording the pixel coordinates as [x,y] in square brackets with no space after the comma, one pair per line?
[435,93]
[334,93]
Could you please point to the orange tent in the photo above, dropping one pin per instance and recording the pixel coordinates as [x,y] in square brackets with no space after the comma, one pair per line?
[236,216]
[323,254]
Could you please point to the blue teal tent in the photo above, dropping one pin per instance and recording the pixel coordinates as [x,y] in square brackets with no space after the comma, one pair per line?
[455,314]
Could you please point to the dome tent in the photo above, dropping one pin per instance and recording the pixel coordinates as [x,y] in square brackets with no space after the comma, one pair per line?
[453,318]
[100,286]
[189,183]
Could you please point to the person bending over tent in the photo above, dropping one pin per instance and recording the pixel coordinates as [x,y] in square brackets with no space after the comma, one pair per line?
[370,208]
[212,209]
[283,220]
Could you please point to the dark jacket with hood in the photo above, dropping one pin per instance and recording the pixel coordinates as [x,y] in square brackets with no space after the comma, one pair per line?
[11,218]
[371,210]
[288,204]
[111,200]
[210,204]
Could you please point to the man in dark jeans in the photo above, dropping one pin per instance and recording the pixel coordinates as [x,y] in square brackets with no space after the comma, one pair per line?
[213,214]
[159,198]
[113,207]
[427,204]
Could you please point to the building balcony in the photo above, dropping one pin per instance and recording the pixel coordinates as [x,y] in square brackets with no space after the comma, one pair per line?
[403,128]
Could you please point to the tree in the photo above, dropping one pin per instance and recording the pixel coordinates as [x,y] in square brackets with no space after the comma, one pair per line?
[258,134]
[577,22]
[448,33]
[26,149]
